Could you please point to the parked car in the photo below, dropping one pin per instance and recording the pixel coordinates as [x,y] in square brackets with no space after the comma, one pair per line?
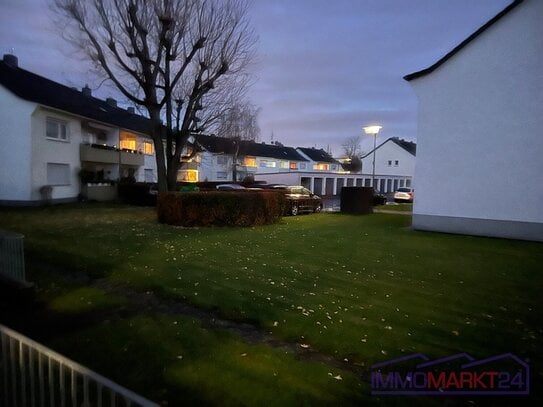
[300,199]
[229,187]
[404,195]
[379,198]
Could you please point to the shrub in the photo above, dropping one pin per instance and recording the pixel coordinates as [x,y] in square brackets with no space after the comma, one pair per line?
[220,208]
[139,193]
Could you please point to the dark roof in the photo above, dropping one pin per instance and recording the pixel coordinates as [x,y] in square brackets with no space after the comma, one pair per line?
[270,150]
[35,88]
[408,146]
[215,144]
[432,68]
[318,155]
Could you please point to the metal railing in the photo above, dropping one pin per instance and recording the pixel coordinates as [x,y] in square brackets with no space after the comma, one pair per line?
[33,375]
[12,258]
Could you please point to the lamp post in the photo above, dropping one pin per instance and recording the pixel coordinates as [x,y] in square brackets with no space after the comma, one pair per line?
[373,131]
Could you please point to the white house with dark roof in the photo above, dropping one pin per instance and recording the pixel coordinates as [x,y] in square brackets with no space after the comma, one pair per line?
[394,164]
[59,142]
[214,162]
[480,132]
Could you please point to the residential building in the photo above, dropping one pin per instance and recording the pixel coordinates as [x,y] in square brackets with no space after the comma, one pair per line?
[479,167]
[53,137]
[394,164]
[216,155]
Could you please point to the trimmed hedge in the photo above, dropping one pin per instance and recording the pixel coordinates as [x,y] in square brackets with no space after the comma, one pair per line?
[220,208]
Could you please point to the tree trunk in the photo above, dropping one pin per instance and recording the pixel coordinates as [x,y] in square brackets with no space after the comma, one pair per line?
[235,160]
[172,174]
[160,157]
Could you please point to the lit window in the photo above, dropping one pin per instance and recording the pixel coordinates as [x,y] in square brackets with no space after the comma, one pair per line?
[187,175]
[294,165]
[128,141]
[284,164]
[56,129]
[58,174]
[267,164]
[321,167]
[148,148]
[249,161]
[396,163]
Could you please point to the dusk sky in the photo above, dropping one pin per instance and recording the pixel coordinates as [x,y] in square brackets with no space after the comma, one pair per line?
[325,68]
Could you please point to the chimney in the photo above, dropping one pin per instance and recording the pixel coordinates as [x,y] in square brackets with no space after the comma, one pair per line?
[131,109]
[11,60]
[86,91]
[111,102]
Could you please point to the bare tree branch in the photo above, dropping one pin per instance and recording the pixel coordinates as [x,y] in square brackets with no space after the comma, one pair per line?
[182,61]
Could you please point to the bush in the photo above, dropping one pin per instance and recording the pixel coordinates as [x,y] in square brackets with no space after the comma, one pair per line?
[220,208]
[139,193]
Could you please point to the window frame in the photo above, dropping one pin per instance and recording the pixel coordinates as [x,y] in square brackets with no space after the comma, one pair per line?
[65,183]
[127,137]
[145,149]
[249,161]
[58,123]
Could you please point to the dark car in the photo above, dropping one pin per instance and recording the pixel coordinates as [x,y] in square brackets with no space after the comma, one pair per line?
[224,187]
[300,199]
[379,198]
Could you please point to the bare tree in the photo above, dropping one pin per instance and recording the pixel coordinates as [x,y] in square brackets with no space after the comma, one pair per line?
[352,147]
[239,123]
[179,60]
[353,153]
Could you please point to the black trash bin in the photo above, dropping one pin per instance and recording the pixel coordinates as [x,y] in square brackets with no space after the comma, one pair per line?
[357,200]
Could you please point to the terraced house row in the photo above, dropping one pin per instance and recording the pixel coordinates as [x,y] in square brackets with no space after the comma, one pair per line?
[61,143]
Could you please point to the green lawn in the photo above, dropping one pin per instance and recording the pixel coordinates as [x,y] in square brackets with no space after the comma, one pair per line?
[402,207]
[356,289]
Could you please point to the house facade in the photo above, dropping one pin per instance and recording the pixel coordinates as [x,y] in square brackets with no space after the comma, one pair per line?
[394,164]
[479,167]
[216,156]
[313,168]
[59,143]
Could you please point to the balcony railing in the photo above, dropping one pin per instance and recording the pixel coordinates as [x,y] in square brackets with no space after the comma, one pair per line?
[12,258]
[33,375]
[109,155]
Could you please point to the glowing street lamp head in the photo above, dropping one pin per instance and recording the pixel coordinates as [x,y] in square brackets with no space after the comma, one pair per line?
[372,130]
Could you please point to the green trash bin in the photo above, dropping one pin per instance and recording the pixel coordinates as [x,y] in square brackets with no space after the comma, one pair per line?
[189,188]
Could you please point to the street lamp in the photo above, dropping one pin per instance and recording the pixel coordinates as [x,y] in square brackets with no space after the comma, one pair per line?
[373,131]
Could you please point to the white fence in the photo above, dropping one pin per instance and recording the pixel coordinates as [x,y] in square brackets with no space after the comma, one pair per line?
[12,259]
[33,375]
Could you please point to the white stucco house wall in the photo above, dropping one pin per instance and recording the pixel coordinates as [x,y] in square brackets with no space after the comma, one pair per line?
[50,132]
[394,164]
[480,134]
[319,172]
[271,163]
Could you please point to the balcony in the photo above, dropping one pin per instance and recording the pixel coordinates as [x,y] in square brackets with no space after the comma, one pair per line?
[131,158]
[98,153]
